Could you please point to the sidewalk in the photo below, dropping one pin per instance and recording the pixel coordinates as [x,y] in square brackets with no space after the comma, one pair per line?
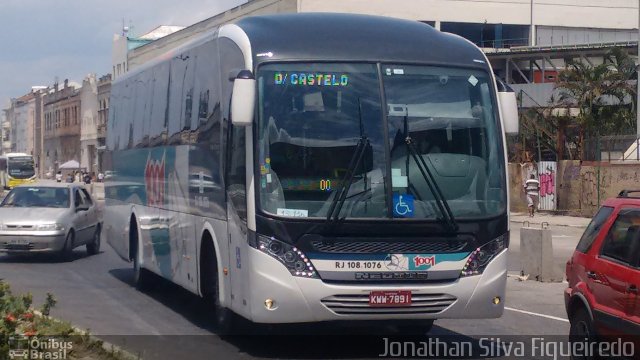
[550,219]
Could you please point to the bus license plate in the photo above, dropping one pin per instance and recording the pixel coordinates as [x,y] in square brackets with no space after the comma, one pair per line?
[390,298]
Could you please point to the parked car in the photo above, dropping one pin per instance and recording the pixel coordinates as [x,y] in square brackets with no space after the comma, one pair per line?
[56,217]
[602,298]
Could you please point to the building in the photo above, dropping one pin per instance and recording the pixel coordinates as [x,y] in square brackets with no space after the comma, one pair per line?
[495,24]
[89,123]
[125,42]
[61,125]
[22,121]
[5,131]
[104,91]
[38,134]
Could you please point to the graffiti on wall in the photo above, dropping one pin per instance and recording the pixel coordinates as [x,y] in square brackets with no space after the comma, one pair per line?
[589,190]
[571,171]
[547,186]
[547,177]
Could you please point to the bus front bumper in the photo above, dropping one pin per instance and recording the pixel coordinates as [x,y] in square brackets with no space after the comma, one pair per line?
[15,182]
[296,299]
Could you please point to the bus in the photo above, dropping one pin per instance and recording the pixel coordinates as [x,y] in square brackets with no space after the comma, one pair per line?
[16,169]
[316,167]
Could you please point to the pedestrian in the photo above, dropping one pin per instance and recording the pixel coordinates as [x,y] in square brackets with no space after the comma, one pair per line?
[532,189]
[77,176]
[87,178]
[100,177]
[59,176]
[70,177]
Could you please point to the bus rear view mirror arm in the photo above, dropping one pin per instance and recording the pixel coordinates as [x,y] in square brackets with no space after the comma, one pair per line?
[508,107]
[243,99]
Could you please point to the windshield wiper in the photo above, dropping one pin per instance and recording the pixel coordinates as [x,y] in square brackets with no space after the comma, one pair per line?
[441,202]
[341,196]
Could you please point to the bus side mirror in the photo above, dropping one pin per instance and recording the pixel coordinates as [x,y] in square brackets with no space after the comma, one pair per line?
[508,107]
[243,99]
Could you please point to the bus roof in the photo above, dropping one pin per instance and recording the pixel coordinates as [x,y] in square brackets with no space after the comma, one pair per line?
[351,37]
[341,37]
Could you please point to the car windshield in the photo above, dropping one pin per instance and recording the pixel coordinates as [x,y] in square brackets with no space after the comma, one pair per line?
[37,197]
[320,121]
[21,167]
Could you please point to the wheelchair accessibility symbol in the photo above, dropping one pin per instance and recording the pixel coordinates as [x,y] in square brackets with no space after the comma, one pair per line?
[402,205]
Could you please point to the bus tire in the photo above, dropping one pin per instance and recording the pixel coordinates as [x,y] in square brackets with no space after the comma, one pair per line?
[224,319]
[141,278]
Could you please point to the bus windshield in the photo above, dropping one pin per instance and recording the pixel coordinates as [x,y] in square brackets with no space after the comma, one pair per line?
[323,128]
[21,167]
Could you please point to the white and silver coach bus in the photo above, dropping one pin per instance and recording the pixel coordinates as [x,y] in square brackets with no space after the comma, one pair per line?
[316,167]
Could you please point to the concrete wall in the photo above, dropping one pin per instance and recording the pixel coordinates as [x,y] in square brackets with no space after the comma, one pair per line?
[580,188]
[569,185]
[621,14]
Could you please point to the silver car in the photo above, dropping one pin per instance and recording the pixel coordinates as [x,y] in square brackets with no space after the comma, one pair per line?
[56,217]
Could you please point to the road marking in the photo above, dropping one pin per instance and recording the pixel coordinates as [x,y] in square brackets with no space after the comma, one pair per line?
[562,236]
[537,314]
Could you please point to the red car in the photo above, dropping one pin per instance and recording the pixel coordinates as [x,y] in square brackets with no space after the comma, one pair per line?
[602,298]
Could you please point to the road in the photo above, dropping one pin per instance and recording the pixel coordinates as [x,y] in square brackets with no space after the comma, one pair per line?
[96,293]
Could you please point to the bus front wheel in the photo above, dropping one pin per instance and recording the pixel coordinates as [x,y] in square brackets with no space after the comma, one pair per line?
[141,278]
[224,319]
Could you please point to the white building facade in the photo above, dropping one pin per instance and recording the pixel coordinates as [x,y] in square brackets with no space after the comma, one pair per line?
[89,123]
[5,131]
[488,23]
[22,123]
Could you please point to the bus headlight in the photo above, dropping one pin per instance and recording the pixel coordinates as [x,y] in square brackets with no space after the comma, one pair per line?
[290,256]
[482,256]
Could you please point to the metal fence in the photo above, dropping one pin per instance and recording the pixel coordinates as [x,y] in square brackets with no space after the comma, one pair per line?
[612,148]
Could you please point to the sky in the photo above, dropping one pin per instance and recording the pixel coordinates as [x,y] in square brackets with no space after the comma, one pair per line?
[41,40]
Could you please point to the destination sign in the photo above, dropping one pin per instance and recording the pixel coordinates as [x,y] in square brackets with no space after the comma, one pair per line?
[311,79]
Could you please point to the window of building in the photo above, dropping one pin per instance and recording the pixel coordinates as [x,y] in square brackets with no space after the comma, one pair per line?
[490,35]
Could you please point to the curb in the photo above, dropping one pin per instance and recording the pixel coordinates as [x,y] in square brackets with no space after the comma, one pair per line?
[550,224]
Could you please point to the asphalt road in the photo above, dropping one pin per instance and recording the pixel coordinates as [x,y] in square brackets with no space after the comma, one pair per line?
[96,293]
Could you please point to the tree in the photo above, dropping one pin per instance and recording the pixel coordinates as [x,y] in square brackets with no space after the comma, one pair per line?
[602,94]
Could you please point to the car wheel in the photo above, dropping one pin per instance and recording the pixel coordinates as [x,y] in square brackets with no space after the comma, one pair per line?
[66,254]
[582,329]
[94,246]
